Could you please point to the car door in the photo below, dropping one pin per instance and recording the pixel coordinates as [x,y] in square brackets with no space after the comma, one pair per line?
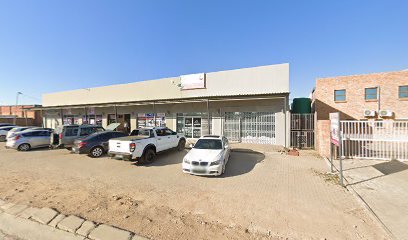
[161,138]
[227,149]
[44,138]
[171,138]
[70,134]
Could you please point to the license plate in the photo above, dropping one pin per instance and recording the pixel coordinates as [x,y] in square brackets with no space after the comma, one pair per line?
[119,156]
[199,170]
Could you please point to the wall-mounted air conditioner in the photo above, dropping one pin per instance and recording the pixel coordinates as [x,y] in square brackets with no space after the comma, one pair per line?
[385,113]
[369,113]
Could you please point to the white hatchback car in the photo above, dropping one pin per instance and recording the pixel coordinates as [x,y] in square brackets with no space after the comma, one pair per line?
[208,156]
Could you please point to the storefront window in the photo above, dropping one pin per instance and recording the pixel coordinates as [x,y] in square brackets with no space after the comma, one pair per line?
[193,125]
[71,119]
[147,120]
[92,119]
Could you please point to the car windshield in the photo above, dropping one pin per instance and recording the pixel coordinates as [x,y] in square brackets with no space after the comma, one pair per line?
[213,144]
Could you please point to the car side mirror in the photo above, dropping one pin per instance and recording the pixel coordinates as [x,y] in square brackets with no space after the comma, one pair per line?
[226,146]
[191,145]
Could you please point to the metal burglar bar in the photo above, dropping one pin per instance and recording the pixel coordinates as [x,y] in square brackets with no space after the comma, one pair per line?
[250,127]
[302,130]
[383,140]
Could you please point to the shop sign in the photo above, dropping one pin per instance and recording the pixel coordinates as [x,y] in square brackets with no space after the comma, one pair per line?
[335,128]
[187,122]
[197,122]
[192,81]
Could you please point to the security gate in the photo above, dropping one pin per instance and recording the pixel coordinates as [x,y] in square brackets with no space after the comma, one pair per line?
[302,130]
[384,140]
[250,127]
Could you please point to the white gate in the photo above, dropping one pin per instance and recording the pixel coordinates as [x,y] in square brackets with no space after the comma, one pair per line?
[250,127]
[384,140]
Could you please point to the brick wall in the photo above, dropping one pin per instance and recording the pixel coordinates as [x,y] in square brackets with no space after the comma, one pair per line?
[355,104]
[34,117]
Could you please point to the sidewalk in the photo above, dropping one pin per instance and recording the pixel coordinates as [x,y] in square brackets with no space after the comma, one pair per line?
[383,186]
[21,222]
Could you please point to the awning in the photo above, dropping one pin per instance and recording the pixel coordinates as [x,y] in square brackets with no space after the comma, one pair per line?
[172,101]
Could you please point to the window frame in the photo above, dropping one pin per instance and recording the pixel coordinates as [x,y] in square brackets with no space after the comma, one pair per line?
[335,95]
[371,99]
[405,92]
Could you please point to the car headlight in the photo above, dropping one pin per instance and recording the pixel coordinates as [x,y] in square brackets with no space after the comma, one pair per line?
[218,162]
[186,161]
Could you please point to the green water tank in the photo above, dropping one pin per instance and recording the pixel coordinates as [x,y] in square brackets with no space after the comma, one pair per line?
[301,105]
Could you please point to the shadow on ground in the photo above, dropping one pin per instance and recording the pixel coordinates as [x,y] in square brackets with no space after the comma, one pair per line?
[390,167]
[242,161]
[385,168]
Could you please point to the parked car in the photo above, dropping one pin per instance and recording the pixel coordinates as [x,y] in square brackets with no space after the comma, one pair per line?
[96,144]
[208,156]
[65,135]
[3,132]
[144,146]
[29,139]
[6,124]
[17,129]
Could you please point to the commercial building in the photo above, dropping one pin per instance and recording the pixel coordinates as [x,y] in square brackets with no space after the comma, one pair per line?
[367,97]
[247,105]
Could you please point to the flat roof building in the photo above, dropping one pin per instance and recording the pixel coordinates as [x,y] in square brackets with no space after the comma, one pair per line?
[248,105]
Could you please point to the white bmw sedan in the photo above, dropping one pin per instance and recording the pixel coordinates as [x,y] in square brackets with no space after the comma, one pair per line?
[208,156]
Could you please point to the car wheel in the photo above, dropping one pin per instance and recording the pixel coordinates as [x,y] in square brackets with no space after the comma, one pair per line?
[24,147]
[149,156]
[181,145]
[96,152]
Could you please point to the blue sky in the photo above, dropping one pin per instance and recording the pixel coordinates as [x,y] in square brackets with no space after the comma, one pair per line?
[49,46]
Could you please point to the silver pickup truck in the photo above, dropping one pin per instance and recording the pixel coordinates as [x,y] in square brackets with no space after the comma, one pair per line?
[144,146]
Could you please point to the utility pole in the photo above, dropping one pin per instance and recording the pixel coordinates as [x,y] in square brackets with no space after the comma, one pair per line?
[15,109]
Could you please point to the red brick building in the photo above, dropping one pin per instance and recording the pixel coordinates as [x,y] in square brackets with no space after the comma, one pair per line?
[353,95]
[24,116]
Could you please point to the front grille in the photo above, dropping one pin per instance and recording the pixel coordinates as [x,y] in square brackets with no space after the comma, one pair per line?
[199,163]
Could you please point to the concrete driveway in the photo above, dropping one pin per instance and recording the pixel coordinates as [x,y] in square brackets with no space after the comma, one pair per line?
[383,186]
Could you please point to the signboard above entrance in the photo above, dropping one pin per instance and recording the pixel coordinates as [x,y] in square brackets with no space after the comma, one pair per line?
[192,81]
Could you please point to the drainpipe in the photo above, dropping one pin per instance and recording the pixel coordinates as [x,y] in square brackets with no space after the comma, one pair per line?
[154,113]
[116,114]
[62,116]
[379,100]
[208,116]
[285,123]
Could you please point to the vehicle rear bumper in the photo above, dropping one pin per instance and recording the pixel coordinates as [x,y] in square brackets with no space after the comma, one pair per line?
[79,150]
[11,145]
[120,155]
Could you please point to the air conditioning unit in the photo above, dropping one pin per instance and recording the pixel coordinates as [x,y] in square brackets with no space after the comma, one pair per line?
[369,113]
[385,113]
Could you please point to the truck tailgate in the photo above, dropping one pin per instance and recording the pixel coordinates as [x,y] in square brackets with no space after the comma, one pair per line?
[119,146]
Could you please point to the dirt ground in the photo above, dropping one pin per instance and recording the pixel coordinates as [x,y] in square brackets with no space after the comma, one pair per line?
[261,195]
